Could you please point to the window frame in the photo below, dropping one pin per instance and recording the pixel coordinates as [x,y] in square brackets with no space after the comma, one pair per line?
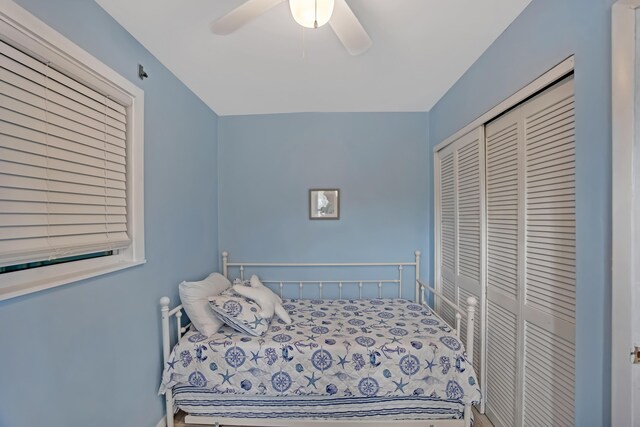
[21,29]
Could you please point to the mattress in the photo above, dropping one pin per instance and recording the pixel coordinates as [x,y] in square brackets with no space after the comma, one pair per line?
[201,402]
[376,348]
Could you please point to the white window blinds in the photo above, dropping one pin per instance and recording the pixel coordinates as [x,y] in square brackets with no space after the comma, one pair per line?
[63,164]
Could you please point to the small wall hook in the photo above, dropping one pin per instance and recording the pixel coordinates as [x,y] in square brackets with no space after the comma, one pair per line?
[141,72]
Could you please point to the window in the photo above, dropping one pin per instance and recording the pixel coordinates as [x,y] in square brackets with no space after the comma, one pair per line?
[53,261]
[71,150]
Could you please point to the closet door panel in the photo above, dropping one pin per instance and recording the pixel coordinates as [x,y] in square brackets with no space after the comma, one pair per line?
[549,378]
[447,223]
[501,365]
[503,205]
[470,203]
[504,257]
[450,291]
[469,208]
[460,229]
[550,281]
[550,203]
[448,212]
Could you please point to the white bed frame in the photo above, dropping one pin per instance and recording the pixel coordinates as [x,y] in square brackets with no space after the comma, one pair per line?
[422,291]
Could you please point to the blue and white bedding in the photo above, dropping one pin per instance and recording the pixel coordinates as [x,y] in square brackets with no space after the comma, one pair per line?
[202,402]
[337,348]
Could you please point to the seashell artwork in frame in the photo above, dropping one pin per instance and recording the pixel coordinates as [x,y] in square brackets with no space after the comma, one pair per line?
[324,204]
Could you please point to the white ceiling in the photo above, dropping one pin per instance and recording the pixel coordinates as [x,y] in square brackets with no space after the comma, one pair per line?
[420,48]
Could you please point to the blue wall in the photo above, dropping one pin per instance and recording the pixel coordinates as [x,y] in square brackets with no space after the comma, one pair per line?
[268,163]
[88,354]
[547,32]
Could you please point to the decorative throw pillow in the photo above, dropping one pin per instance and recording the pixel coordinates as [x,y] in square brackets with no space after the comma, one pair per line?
[242,282]
[240,313]
[195,301]
[268,301]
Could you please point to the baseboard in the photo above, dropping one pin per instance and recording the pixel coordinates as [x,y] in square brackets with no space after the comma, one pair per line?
[162,422]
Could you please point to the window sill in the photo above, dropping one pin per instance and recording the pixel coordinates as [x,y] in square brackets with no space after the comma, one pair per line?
[20,283]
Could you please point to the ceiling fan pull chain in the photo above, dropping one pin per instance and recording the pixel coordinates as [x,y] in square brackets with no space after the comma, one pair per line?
[315,22]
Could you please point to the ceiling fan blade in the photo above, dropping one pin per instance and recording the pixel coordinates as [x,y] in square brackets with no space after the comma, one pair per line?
[348,29]
[239,16]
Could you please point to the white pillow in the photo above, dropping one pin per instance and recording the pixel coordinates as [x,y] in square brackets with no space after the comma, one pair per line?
[195,301]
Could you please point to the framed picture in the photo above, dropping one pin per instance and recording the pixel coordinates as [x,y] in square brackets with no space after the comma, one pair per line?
[324,204]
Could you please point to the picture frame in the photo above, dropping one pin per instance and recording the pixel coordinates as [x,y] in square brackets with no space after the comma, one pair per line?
[324,203]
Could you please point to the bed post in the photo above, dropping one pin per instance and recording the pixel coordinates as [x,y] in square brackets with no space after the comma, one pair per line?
[417,254]
[225,261]
[166,351]
[467,415]
[471,318]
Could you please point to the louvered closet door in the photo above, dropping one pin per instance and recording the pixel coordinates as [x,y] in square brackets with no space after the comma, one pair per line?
[550,299]
[530,163]
[447,232]
[503,138]
[468,152]
[460,225]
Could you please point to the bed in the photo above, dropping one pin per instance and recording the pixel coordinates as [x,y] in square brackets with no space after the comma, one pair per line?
[372,358]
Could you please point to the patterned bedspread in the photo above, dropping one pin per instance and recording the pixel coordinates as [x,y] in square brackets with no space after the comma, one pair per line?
[379,347]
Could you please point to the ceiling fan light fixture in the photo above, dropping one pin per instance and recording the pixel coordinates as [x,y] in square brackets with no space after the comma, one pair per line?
[311,13]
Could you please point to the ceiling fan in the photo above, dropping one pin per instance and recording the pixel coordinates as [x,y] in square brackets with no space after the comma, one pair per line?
[309,14]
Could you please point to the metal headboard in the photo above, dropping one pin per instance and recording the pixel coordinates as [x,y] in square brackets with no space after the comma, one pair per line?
[340,284]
